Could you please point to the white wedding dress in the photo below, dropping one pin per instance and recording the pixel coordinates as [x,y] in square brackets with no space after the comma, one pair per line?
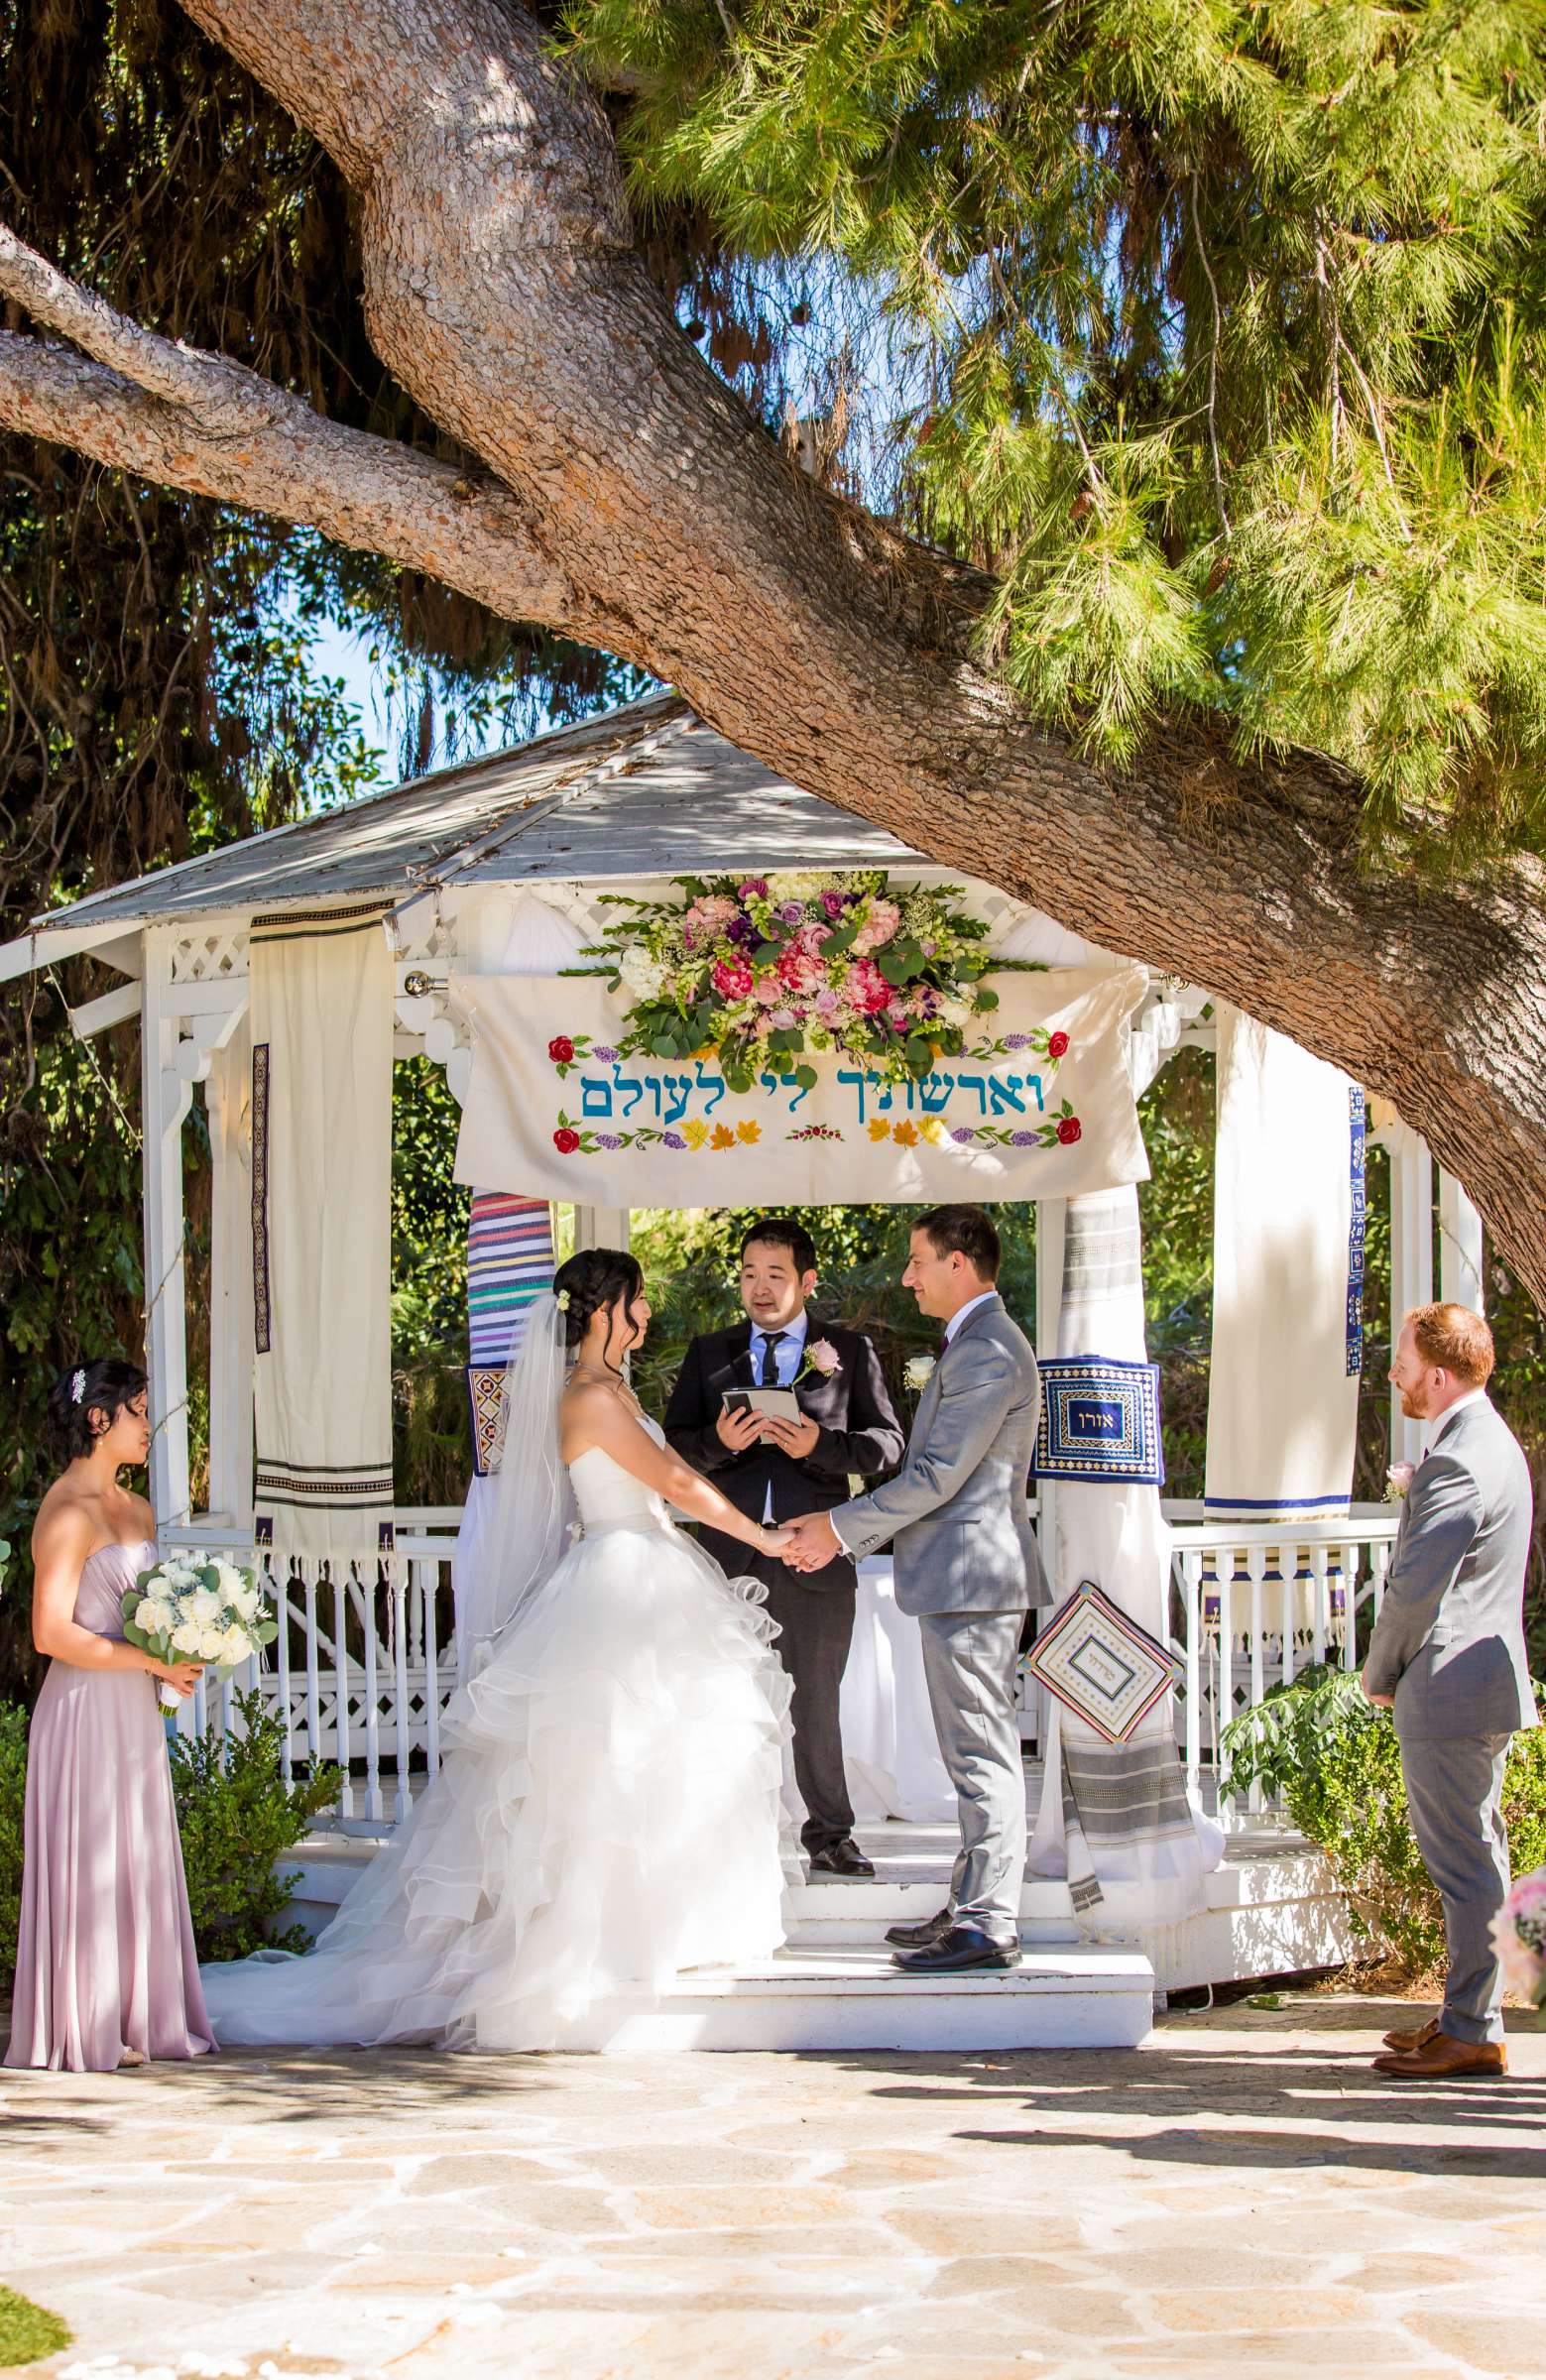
[607,1813]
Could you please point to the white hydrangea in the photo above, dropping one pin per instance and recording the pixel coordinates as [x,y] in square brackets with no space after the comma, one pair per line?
[797,884]
[644,976]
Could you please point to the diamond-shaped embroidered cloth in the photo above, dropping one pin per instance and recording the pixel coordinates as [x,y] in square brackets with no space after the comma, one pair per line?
[1102,1665]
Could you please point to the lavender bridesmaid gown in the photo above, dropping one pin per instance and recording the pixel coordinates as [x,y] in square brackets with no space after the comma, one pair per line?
[105,1960]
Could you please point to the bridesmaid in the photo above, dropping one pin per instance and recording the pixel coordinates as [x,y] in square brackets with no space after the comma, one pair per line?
[106,1973]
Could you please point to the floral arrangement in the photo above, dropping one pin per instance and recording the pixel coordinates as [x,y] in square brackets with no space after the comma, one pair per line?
[1398,1481]
[821,1359]
[1520,1937]
[209,1612]
[917,1371]
[771,970]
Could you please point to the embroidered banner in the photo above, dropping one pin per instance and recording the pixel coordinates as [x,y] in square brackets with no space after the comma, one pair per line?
[1100,1420]
[1039,1106]
[510,1262]
[1102,1665]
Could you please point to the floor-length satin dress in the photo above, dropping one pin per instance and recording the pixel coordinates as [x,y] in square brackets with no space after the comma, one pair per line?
[105,1960]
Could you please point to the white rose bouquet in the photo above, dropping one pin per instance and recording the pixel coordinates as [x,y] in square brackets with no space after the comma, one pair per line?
[187,1609]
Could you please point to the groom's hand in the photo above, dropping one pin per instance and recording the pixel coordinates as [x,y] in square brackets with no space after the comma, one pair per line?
[796,1438]
[816,1542]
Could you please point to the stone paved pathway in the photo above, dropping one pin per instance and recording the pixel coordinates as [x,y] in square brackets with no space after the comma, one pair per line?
[1240,2196]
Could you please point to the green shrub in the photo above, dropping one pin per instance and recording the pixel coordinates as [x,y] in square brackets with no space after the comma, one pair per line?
[28,2332]
[1334,1757]
[238,1817]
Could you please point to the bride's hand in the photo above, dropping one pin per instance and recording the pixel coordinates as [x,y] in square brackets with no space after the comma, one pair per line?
[773,1542]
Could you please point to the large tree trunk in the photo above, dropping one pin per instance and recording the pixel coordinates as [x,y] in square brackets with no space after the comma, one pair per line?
[504,290]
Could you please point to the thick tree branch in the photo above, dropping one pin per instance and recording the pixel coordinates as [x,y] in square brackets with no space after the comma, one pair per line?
[233,435]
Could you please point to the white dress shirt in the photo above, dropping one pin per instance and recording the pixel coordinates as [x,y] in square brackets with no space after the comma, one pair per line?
[788,1357]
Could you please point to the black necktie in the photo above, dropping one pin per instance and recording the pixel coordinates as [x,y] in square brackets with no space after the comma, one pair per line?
[768,1359]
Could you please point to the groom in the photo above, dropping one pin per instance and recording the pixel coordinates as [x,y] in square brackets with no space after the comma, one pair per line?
[770,1468]
[967,1566]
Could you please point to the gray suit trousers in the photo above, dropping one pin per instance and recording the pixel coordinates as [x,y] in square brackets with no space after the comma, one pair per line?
[970,1660]
[1455,1797]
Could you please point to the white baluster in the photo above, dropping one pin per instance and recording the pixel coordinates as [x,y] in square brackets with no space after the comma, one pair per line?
[1256,1571]
[1223,1705]
[400,1595]
[314,1680]
[1190,1570]
[1352,1564]
[1289,1597]
[1319,1601]
[341,1686]
[280,1590]
[373,1802]
[429,1579]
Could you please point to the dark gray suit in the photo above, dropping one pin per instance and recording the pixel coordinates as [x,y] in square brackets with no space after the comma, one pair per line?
[1449,1644]
[967,1567]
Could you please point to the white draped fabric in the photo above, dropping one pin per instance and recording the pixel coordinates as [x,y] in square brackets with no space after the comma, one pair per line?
[891,1752]
[321,1126]
[1114,1819]
[1287,1265]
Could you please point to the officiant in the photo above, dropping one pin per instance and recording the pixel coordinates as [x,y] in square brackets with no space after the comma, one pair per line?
[774,1466]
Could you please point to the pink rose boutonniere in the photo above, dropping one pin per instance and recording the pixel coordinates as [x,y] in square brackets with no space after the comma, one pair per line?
[822,1357]
[1399,1477]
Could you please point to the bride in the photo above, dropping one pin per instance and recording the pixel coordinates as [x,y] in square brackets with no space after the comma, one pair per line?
[607,1813]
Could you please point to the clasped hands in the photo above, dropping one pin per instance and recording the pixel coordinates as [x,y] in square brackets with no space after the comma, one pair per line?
[809,1543]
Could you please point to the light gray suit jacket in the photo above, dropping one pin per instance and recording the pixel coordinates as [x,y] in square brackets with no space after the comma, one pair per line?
[1449,1643]
[956,1507]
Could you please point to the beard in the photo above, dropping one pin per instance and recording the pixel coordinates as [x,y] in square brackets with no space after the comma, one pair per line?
[1411,1409]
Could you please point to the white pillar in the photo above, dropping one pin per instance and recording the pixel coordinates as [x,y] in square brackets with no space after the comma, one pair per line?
[227,1096]
[1460,1245]
[601,1227]
[165,1098]
[1411,1262]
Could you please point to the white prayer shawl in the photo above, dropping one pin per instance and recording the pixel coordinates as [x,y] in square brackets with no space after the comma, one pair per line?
[322,991]
[1116,1818]
[540,941]
[1287,1276]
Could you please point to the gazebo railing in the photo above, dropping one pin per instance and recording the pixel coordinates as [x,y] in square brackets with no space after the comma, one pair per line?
[1255,1603]
[363,1667]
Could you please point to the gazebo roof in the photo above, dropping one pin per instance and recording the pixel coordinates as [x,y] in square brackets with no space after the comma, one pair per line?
[647,791]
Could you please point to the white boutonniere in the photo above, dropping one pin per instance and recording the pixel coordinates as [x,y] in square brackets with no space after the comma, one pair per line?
[917,1371]
[822,1357]
[1399,1479]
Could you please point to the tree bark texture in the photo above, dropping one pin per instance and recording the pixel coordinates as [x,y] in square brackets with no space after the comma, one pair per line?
[631,501]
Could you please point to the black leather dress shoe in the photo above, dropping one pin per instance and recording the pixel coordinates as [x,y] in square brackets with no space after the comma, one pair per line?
[963,1947]
[843,1858]
[915,1937]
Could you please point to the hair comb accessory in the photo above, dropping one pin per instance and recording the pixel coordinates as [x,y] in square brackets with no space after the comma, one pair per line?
[561,1301]
[77,1386]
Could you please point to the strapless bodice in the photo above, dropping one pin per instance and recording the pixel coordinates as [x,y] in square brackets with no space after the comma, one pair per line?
[106,1578]
[610,1497]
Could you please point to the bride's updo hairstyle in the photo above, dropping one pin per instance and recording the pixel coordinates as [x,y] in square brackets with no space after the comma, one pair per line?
[87,1391]
[597,1277]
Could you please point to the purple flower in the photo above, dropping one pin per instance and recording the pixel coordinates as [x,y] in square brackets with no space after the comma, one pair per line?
[1016,1040]
[1022,1140]
[754,888]
[674,1140]
[833,902]
[962,1132]
[791,912]
[608,1140]
[608,1057]
[742,930]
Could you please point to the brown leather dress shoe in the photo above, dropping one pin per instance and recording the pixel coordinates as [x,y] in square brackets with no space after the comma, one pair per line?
[1416,2037]
[1444,2058]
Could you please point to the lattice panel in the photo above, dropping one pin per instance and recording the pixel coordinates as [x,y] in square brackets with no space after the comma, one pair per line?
[209,958]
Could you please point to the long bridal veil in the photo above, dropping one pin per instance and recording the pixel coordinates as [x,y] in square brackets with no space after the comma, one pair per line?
[521,1543]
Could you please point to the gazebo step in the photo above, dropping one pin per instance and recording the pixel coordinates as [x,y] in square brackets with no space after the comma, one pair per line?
[855,2000]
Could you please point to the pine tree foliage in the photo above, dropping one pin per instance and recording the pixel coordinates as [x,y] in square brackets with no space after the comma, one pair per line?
[1233,320]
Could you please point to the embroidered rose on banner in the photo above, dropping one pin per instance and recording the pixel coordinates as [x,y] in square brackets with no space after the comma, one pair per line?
[1057,1046]
[566,1141]
[1069,1131]
[568,1050]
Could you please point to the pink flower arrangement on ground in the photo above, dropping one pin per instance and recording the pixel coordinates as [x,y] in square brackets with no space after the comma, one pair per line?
[1519,1938]
[770,971]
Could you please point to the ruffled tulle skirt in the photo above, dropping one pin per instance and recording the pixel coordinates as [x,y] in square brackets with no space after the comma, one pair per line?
[606,1816]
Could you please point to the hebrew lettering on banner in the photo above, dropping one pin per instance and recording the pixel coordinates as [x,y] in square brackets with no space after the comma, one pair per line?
[1037,1105]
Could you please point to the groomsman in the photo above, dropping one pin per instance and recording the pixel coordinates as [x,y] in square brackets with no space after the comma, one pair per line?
[772,1468]
[1448,1654]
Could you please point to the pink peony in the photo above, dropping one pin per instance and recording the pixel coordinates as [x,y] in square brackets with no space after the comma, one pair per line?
[878,927]
[732,979]
[866,989]
[797,970]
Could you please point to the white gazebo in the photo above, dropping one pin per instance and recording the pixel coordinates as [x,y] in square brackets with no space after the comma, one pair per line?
[625,803]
